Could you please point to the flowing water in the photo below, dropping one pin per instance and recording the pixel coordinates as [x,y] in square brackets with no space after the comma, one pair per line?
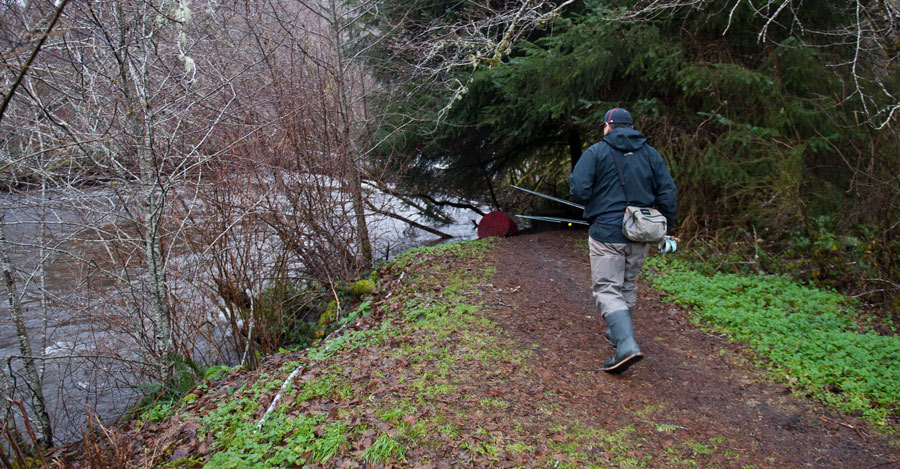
[58,304]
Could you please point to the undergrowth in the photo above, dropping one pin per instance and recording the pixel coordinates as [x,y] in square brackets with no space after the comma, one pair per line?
[808,334]
[854,260]
[403,386]
[418,374]
[301,430]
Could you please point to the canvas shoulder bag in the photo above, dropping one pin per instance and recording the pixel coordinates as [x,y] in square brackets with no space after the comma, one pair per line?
[641,224]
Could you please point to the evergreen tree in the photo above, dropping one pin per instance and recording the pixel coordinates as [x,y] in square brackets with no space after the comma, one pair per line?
[759,134]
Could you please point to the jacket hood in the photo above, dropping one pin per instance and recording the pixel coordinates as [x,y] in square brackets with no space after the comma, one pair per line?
[625,139]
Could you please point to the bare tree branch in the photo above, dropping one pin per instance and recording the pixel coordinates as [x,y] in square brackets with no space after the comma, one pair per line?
[24,70]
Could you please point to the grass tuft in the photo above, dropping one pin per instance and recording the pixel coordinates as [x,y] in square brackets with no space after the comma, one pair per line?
[384,449]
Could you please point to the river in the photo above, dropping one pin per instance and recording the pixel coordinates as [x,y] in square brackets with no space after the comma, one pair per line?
[62,299]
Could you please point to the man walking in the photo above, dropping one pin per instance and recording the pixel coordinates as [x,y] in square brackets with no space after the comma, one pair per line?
[616,261]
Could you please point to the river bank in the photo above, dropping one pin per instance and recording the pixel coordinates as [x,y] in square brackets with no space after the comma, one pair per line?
[83,324]
[488,353]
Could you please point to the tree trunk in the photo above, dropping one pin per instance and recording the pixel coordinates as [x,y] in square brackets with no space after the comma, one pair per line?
[6,413]
[152,200]
[490,185]
[32,376]
[575,144]
[346,113]
[359,209]
[152,206]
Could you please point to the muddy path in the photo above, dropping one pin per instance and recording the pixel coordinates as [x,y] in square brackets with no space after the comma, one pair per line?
[692,386]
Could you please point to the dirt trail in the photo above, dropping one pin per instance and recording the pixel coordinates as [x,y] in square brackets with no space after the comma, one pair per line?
[691,386]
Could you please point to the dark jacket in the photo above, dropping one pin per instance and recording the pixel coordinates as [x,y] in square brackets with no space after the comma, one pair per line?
[595,183]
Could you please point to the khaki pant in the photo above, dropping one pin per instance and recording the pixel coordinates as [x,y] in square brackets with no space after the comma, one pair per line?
[614,270]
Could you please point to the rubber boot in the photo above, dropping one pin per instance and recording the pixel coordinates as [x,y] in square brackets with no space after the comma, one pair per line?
[622,334]
[608,334]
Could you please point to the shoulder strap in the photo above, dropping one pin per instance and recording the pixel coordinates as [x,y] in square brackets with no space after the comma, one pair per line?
[615,155]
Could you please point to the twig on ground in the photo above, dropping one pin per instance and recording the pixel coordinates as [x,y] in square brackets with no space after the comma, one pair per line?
[277,399]
[290,379]
[676,426]
[861,433]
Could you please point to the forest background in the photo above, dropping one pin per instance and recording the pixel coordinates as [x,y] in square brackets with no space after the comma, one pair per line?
[211,175]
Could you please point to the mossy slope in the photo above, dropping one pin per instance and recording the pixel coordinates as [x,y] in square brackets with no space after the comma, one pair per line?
[415,380]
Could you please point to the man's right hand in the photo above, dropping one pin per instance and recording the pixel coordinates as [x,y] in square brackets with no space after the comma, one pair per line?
[668,244]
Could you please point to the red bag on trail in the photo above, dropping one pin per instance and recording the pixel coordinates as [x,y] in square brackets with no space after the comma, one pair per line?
[496,224]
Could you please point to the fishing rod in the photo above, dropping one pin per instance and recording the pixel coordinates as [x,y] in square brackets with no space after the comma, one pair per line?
[555,219]
[668,243]
[555,199]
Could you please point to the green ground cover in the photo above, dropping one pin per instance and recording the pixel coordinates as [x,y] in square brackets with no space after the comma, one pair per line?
[439,342]
[416,384]
[809,335]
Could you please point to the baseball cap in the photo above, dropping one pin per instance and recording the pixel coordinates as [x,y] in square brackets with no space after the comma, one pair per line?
[617,115]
